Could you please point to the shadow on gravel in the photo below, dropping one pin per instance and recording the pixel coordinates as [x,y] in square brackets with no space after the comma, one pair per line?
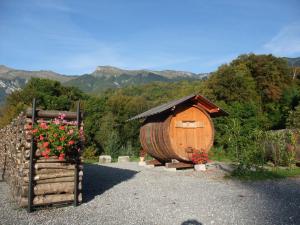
[191,222]
[98,179]
[281,200]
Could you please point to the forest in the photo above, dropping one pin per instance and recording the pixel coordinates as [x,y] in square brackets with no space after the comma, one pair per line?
[259,92]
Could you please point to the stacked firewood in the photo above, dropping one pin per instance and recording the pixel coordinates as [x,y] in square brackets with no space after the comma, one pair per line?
[53,179]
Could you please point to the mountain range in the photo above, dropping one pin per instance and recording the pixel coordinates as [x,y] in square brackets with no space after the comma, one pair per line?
[102,78]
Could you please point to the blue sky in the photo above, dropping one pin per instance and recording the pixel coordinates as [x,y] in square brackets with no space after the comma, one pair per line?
[73,37]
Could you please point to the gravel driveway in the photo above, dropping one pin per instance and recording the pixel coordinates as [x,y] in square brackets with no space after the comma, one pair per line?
[129,194]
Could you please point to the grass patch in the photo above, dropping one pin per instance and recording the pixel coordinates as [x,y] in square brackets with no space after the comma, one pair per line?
[267,174]
[91,160]
[134,159]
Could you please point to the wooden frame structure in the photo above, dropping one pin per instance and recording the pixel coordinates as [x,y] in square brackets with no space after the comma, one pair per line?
[35,114]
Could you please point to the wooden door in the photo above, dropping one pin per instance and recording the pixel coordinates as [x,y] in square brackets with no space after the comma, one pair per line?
[190,128]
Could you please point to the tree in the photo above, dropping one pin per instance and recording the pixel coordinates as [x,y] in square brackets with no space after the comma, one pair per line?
[271,74]
[233,83]
[293,121]
[49,94]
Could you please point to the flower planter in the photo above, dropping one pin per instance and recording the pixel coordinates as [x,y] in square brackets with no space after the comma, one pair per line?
[200,167]
[53,173]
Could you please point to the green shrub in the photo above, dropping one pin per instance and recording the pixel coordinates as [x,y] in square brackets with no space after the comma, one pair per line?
[90,153]
[280,146]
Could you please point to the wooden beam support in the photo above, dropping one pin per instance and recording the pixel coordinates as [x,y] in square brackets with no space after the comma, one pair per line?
[154,162]
[52,114]
[179,165]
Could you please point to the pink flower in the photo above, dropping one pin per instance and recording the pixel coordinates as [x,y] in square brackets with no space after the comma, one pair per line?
[62,127]
[71,142]
[45,144]
[56,121]
[61,116]
[46,153]
[35,131]
[43,126]
[61,156]
[81,132]
[59,148]
[62,138]
[41,137]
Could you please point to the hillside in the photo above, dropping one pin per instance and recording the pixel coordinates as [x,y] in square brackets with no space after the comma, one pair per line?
[102,78]
[105,77]
[294,62]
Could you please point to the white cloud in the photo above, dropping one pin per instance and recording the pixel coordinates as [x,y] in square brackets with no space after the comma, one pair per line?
[286,42]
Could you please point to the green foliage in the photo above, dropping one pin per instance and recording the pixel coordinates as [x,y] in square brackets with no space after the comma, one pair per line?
[280,147]
[90,153]
[57,138]
[49,94]
[233,83]
[293,120]
[219,154]
[271,74]
[266,174]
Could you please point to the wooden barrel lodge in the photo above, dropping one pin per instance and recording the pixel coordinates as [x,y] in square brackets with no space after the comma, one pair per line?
[176,129]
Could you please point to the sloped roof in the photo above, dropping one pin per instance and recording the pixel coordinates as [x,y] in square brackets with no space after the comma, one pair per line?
[210,107]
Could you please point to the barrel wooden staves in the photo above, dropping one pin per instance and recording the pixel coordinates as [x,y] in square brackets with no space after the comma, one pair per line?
[177,129]
[178,135]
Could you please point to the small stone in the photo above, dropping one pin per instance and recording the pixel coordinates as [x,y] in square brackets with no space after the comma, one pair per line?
[122,159]
[149,166]
[142,163]
[200,167]
[104,159]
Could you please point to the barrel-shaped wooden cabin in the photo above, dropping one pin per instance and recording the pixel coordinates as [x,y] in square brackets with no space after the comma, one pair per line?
[176,129]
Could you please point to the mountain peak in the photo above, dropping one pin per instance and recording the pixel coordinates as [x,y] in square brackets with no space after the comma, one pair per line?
[107,67]
[4,69]
[109,71]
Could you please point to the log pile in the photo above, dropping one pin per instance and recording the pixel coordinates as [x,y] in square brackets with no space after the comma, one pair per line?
[53,179]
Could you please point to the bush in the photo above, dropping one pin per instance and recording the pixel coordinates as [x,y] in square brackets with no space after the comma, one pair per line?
[293,120]
[280,146]
[90,153]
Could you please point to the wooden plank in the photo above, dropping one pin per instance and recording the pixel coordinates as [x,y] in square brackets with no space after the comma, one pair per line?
[189,124]
[154,162]
[52,114]
[179,165]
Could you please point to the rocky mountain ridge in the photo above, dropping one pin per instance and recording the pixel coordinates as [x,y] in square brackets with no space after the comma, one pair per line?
[102,78]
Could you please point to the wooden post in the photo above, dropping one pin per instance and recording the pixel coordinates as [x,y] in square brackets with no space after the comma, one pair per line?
[77,158]
[31,166]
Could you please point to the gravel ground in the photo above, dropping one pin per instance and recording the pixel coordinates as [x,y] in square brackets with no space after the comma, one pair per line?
[129,194]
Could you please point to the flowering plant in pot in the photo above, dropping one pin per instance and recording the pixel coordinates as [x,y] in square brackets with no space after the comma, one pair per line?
[57,137]
[200,158]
